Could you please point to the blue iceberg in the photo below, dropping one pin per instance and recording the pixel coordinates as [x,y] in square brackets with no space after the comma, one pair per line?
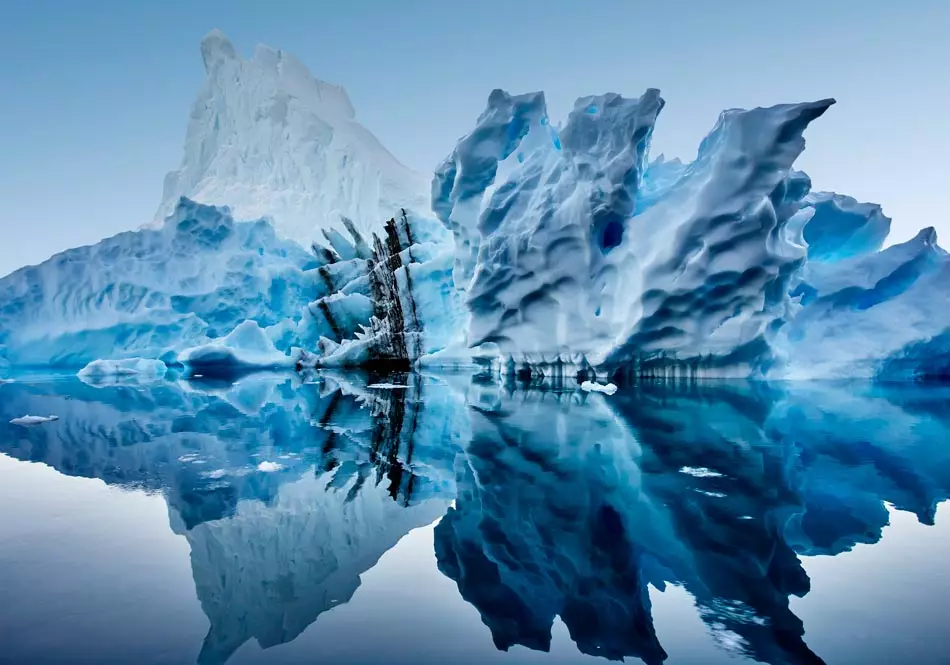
[547,251]
[154,293]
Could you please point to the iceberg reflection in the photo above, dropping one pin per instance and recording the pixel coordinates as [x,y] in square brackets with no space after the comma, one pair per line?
[566,504]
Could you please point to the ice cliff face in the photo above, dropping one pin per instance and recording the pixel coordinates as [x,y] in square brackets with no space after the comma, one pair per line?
[267,139]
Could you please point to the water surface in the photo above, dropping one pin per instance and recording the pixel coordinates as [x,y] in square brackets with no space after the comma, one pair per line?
[442,519]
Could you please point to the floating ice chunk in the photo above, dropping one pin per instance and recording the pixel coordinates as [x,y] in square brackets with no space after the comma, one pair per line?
[700,472]
[2,381]
[387,386]
[113,370]
[269,467]
[247,348]
[591,387]
[33,420]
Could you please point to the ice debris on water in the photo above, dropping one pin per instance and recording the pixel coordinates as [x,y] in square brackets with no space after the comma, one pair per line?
[33,420]
[590,386]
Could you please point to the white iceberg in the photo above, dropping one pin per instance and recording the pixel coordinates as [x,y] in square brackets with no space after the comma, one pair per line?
[246,348]
[33,420]
[267,139]
[101,371]
[591,387]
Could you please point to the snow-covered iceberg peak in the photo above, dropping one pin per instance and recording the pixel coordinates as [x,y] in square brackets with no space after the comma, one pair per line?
[267,139]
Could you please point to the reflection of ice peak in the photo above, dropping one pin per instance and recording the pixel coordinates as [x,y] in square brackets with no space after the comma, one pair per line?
[269,571]
[550,522]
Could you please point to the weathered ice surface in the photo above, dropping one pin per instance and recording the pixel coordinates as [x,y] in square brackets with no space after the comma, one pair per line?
[573,250]
[155,292]
[269,140]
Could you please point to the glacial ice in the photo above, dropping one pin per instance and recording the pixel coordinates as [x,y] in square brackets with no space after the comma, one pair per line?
[841,227]
[395,305]
[268,140]
[883,315]
[245,348]
[153,293]
[581,252]
[114,370]
[558,262]
[544,251]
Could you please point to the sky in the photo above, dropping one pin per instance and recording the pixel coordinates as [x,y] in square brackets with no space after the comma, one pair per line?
[95,96]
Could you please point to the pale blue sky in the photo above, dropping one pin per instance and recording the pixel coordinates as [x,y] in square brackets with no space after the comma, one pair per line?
[95,95]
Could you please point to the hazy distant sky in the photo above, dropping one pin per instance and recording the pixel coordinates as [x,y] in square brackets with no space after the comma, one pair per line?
[95,95]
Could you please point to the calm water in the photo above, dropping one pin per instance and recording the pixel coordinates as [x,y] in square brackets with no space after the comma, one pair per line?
[450,521]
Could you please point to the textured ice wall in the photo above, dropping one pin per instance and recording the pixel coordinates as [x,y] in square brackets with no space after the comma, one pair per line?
[556,258]
[881,315]
[153,293]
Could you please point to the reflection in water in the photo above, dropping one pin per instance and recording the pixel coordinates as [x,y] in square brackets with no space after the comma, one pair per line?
[565,504]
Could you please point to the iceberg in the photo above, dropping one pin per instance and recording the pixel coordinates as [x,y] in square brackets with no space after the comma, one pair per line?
[246,348]
[575,252]
[28,420]
[884,315]
[591,387]
[138,368]
[555,259]
[153,293]
[268,140]
[547,253]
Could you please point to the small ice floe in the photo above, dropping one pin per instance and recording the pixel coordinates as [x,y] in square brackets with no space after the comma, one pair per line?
[33,420]
[3,380]
[591,387]
[269,467]
[700,472]
[215,475]
[387,386]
